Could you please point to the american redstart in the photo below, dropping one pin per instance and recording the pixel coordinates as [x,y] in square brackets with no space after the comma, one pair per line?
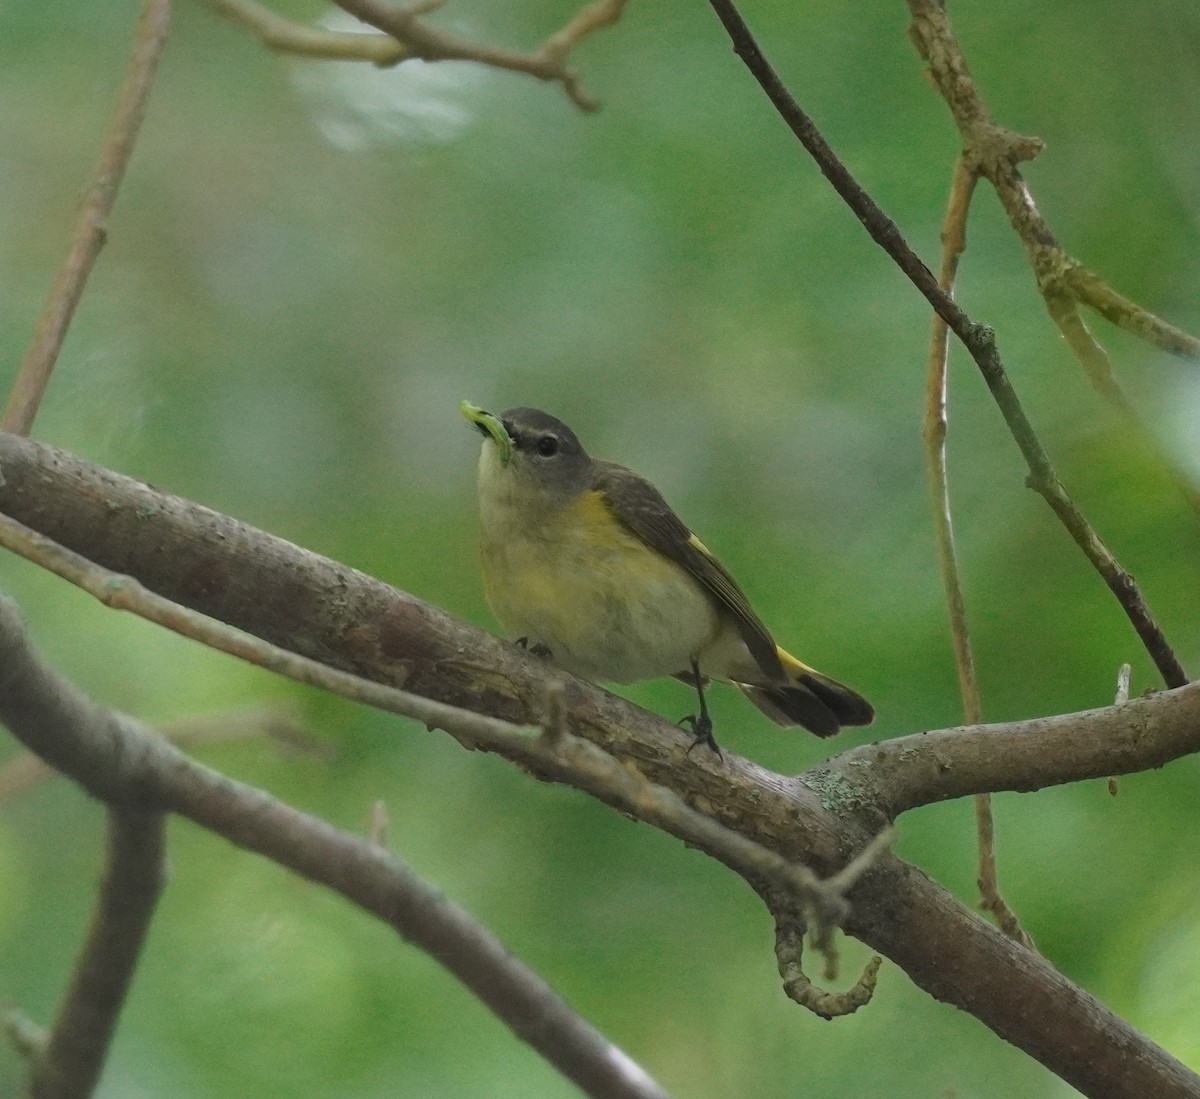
[585,563]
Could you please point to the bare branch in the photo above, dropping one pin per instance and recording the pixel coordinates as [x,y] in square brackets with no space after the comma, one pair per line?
[407,35]
[277,32]
[990,898]
[77,1045]
[935,428]
[1064,311]
[996,152]
[1123,676]
[310,605]
[978,339]
[1094,292]
[26,394]
[120,760]
[906,772]
[377,823]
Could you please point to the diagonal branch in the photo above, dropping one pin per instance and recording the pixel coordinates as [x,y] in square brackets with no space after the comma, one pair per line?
[552,754]
[978,339]
[343,619]
[120,760]
[38,363]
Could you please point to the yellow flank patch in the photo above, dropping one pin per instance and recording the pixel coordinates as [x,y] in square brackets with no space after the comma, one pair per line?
[696,544]
[595,521]
[613,545]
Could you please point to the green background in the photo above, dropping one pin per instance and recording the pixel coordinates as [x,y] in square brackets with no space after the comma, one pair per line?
[310,265]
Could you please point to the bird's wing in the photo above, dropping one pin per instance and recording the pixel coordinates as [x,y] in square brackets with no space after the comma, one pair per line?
[641,508]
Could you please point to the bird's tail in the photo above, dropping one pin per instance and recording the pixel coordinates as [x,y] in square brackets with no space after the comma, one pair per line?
[822,705]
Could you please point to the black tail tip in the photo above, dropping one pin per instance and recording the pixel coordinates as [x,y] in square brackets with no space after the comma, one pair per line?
[848,706]
[820,705]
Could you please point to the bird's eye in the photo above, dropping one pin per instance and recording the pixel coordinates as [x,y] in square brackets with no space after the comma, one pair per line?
[547,446]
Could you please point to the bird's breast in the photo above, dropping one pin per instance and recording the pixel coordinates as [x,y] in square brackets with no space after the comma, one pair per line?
[576,580]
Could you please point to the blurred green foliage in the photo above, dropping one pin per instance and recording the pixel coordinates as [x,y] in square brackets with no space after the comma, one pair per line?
[310,265]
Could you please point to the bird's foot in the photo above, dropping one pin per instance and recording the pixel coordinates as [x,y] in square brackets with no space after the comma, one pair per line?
[702,733]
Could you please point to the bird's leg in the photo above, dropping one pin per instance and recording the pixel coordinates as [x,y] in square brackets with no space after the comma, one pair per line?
[701,724]
[537,648]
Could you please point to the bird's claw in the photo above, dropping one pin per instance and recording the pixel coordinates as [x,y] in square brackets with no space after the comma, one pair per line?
[702,733]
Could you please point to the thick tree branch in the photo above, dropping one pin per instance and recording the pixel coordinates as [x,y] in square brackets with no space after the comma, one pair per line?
[906,772]
[69,1066]
[312,605]
[978,339]
[552,753]
[26,395]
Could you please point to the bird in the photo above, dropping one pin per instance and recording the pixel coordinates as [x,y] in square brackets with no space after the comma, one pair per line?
[586,565]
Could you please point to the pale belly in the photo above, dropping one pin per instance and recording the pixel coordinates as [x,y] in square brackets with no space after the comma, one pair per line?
[617,612]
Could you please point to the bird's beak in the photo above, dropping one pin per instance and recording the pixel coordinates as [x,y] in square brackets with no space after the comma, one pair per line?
[492,427]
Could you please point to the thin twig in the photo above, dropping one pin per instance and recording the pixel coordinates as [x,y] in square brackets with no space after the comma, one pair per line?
[978,339]
[25,397]
[1093,291]
[936,426]
[872,851]
[78,1043]
[1124,674]
[406,35]
[990,898]
[1098,366]
[277,32]
[548,62]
